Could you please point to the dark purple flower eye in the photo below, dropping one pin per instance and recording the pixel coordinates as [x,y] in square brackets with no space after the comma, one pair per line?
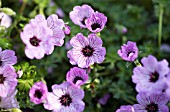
[35,41]
[65,100]
[38,92]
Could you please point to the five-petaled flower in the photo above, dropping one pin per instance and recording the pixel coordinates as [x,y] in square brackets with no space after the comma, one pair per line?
[38,93]
[150,76]
[65,98]
[86,51]
[129,51]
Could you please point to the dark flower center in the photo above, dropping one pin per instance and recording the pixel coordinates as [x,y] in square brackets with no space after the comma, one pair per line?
[76,79]
[2,78]
[95,26]
[65,100]
[35,41]
[129,52]
[38,94]
[87,51]
[152,107]
[154,77]
[83,21]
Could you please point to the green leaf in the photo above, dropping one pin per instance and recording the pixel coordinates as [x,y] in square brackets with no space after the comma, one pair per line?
[5,43]
[25,85]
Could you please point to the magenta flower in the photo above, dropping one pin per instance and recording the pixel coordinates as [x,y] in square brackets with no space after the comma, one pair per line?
[9,101]
[65,98]
[38,92]
[129,51]
[57,26]
[149,77]
[8,80]
[96,22]
[86,51]
[80,14]
[151,103]
[127,108]
[38,40]
[7,57]
[77,76]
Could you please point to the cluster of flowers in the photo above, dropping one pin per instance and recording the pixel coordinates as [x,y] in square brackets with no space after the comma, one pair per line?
[66,97]
[8,79]
[85,17]
[41,35]
[151,79]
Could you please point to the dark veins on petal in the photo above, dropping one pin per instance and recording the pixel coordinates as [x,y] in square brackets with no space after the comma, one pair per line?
[76,79]
[2,78]
[87,51]
[152,107]
[38,94]
[95,26]
[65,100]
[154,77]
[35,41]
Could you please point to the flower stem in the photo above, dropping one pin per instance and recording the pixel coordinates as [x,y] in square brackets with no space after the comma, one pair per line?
[160,24]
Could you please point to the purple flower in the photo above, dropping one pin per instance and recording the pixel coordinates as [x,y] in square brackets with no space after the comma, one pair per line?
[68,45]
[151,103]
[7,57]
[103,100]
[8,80]
[60,13]
[96,22]
[38,40]
[124,30]
[86,51]
[127,108]
[77,76]
[57,26]
[149,77]
[129,51]
[9,101]
[65,98]
[80,14]
[67,29]
[38,92]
